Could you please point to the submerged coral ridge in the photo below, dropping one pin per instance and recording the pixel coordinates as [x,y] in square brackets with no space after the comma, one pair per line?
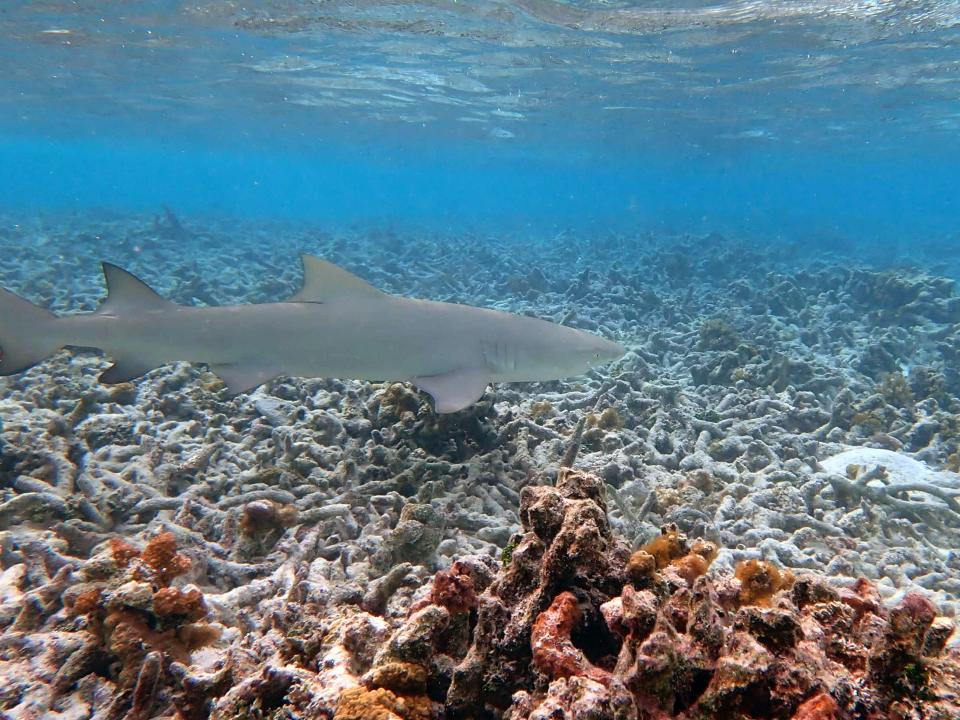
[754,514]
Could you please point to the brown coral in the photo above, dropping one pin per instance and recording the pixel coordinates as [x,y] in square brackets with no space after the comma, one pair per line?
[173,602]
[454,589]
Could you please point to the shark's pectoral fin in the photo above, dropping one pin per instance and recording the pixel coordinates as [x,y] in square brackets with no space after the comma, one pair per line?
[241,378]
[455,390]
[124,370]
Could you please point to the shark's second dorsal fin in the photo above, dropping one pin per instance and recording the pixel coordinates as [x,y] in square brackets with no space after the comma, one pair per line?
[126,292]
[323,281]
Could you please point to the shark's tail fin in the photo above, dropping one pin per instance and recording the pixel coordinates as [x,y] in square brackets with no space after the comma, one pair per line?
[27,333]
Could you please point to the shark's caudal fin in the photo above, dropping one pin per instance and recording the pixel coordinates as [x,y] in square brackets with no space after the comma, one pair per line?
[27,333]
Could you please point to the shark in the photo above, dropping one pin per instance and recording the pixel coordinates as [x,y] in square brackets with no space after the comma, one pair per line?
[337,325]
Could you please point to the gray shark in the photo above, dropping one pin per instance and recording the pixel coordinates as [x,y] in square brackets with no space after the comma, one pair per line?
[337,325]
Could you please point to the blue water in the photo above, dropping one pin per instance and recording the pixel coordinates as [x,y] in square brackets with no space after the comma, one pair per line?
[817,122]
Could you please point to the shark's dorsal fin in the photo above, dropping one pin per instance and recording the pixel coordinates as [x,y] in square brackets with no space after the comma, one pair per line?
[323,281]
[126,292]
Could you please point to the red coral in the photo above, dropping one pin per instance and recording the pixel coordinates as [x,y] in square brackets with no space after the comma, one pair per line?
[554,653]
[819,707]
[88,602]
[161,556]
[122,552]
[897,662]
[454,589]
[863,597]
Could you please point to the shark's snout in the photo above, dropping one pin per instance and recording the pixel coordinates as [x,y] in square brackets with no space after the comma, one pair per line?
[611,350]
[601,351]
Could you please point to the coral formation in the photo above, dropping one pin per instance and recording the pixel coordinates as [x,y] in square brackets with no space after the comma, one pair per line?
[756,645]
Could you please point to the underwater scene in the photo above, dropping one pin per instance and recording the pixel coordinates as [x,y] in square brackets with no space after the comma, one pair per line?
[479,360]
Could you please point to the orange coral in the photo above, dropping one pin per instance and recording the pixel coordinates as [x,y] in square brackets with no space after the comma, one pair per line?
[160,555]
[690,567]
[358,703]
[696,562]
[669,545]
[670,549]
[705,549]
[641,568]
[171,601]
[760,581]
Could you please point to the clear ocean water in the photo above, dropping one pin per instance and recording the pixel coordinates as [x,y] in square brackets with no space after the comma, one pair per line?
[810,120]
[676,433]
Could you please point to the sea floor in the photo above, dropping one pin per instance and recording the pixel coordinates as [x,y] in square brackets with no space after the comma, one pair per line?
[752,369]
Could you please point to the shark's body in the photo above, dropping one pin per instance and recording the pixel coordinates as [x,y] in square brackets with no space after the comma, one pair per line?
[336,326]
